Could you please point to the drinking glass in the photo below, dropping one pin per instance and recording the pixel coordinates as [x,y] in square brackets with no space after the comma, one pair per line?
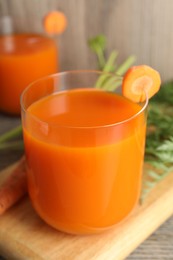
[84,145]
[24,57]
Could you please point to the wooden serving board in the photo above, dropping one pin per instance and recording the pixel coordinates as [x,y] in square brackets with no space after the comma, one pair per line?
[24,236]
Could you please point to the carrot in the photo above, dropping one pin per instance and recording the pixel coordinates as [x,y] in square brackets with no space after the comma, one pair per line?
[14,187]
[55,22]
[139,81]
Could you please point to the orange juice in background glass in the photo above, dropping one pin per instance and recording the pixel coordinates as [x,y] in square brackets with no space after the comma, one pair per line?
[84,149]
[24,57]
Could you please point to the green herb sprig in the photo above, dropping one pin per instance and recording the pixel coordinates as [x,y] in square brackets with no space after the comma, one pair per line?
[110,64]
[159,141]
[8,139]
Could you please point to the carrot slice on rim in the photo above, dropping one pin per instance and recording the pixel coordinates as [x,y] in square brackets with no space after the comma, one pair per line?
[55,22]
[140,80]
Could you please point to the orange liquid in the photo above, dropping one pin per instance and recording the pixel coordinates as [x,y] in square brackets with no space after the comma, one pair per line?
[86,177]
[23,59]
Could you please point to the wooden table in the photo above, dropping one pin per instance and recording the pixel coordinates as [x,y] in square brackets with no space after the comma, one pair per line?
[159,246]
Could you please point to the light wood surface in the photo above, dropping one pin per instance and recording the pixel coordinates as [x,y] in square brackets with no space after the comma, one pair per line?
[142,28]
[23,235]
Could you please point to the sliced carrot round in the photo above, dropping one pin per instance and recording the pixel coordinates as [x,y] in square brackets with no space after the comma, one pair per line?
[55,22]
[139,81]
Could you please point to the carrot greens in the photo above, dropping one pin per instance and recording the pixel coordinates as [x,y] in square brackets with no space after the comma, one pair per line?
[159,140]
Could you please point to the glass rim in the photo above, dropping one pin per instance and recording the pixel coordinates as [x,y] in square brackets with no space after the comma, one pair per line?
[63,73]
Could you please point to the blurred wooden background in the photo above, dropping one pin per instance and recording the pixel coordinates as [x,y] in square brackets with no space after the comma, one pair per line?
[143,28]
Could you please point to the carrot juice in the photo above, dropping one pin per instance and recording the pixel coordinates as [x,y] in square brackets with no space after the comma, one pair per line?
[23,59]
[84,150]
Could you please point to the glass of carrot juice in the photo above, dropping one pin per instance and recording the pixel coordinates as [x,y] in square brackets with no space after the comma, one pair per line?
[24,57]
[84,149]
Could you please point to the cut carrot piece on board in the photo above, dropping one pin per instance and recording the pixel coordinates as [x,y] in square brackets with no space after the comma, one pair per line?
[139,81]
[14,187]
[55,22]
